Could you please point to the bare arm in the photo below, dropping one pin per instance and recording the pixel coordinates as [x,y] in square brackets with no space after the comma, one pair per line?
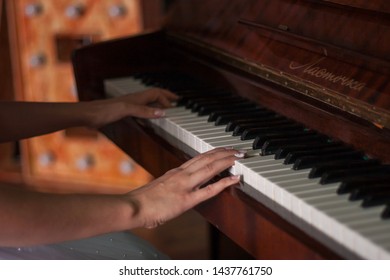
[28,218]
[20,120]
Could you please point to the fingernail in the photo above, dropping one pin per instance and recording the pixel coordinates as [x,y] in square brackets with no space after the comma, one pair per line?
[243,151]
[239,155]
[159,113]
[229,148]
[235,177]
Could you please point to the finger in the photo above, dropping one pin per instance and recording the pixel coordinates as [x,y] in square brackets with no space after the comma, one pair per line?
[149,96]
[212,190]
[146,112]
[170,95]
[194,159]
[155,94]
[206,159]
[166,98]
[198,157]
[208,171]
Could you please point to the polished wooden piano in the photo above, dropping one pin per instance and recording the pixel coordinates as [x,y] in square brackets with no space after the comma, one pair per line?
[309,81]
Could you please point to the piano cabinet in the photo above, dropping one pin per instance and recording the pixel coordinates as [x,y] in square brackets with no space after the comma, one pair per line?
[252,226]
[203,42]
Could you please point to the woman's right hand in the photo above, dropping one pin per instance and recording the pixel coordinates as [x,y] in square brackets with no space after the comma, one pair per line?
[183,188]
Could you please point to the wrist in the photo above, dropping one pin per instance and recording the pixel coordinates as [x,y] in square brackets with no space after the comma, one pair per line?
[132,212]
[96,114]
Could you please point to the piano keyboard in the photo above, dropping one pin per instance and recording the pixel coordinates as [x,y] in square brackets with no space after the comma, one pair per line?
[291,181]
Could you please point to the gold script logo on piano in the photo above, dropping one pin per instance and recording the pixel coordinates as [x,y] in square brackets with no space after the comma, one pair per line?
[314,70]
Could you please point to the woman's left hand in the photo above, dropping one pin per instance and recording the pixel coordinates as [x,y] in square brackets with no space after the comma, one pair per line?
[147,104]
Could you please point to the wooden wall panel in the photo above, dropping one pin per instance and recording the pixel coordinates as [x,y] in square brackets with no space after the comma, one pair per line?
[9,160]
[43,34]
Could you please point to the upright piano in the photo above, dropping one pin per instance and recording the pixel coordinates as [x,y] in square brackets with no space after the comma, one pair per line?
[302,85]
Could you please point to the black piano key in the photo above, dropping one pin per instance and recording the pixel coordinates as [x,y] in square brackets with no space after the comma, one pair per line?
[152,81]
[386,213]
[252,115]
[240,106]
[261,124]
[376,200]
[294,156]
[198,92]
[310,161]
[190,97]
[261,140]
[252,133]
[230,112]
[340,175]
[284,151]
[199,103]
[261,116]
[202,96]
[233,108]
[348,185]
[227,118]
[185,100]
[367,190]
[271,146]
[172,81]
[321,168]
[279,134]
[224,117]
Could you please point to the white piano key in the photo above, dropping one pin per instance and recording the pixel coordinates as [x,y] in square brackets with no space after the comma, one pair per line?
[203,127]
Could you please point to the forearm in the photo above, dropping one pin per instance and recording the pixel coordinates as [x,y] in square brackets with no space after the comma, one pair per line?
[20,120]
[28,218]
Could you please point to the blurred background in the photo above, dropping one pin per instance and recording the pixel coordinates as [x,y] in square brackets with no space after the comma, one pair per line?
[37,39]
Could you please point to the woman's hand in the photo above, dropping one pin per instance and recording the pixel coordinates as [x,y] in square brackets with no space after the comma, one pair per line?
[37,118]
[144,104]
[148,103]
[181,189]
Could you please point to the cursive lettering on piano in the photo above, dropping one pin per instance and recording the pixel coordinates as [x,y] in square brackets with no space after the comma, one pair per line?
[314,70]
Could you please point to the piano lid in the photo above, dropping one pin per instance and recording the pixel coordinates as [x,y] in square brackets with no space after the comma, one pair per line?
[335,52]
